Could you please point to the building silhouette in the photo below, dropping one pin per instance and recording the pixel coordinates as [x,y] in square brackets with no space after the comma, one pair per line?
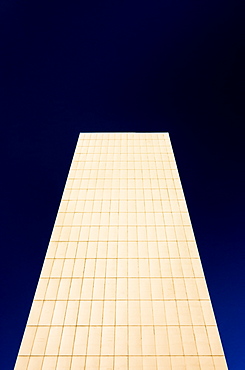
[122,285]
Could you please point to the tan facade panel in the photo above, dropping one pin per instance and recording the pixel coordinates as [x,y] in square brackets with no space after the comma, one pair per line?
[122,286]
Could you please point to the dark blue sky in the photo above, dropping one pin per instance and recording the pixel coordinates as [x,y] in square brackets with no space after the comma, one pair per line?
[74,66]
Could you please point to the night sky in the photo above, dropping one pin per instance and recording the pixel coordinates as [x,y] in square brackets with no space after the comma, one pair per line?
[76,66]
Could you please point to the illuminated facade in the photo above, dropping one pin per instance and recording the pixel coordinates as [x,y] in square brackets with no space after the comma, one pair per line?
[122,285]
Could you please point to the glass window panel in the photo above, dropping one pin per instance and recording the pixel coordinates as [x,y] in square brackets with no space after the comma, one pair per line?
[40,340]
[107,341]
[134,343]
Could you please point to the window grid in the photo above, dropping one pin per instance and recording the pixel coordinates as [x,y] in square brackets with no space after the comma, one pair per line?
[122,285]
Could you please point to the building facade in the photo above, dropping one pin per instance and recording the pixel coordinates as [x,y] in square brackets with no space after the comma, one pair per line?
[122,285]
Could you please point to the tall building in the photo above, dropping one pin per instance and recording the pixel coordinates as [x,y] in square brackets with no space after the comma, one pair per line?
[122,285]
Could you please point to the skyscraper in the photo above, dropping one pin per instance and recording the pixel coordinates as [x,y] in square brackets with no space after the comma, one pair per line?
[122,285]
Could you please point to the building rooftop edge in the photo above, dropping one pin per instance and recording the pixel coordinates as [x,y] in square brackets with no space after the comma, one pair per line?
[123,132]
